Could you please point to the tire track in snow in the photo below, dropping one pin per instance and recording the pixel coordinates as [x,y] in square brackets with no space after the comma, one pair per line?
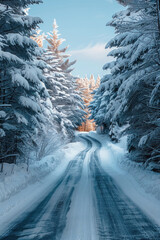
[118,218]
[48,219]
[81,224]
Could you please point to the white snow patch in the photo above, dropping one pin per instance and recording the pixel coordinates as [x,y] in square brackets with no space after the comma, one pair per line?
[72,149]
[2,114]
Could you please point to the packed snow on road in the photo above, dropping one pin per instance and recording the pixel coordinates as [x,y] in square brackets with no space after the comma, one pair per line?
[88,195]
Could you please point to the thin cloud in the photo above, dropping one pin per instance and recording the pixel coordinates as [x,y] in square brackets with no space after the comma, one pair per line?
[96,53]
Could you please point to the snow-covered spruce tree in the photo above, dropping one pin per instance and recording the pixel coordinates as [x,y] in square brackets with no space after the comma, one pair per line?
[106,100]
[98,106]
[142,93]
[61,85]
[22,91]
[132,89]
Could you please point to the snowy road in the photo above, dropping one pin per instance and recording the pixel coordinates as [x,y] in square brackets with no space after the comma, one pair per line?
[85,204]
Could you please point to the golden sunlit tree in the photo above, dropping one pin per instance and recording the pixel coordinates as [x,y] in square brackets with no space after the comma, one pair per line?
[38,38]
[86,87]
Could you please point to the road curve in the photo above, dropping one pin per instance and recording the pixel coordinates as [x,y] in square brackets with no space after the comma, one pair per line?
[85,204]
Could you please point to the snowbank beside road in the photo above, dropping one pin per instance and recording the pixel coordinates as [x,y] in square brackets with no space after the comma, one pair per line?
[17,177]
[21,190]
[140,185]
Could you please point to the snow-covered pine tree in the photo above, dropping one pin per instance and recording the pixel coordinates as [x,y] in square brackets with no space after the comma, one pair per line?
[134,81]
[22,89]
[76,105]
[110,94]
[98,106]
[142,85]
[61,85]
[145,127]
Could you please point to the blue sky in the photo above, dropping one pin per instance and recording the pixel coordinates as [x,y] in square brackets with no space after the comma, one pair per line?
[83,24]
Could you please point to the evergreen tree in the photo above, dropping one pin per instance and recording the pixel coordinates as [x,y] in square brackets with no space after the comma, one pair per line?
[87,87]
[61,85]
[22,91]
[130,94]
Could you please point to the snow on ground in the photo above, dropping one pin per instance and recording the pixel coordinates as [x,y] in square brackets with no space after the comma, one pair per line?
[20,189]
[16,177]
[140,185]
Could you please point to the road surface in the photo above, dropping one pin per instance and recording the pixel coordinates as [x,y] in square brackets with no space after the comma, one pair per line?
[85,204]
